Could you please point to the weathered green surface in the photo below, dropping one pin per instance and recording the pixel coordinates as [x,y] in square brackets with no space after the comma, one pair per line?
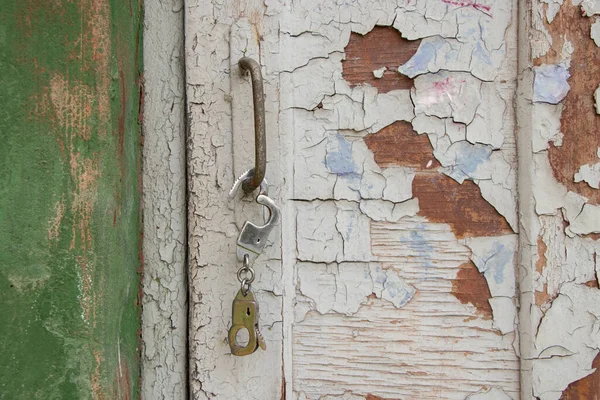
[69,199]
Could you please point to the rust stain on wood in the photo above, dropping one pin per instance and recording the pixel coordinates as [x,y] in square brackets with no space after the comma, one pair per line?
[373,397]
[399,144]
[580,123]
[381,47]
[587,388]
[470,286]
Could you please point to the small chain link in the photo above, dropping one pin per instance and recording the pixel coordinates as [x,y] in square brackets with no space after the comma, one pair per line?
[249,272]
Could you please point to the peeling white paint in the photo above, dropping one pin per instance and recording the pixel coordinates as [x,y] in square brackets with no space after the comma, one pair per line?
[566,259]
[342,169]
[344,287]
[505,314]
[359,266]
[437,53]
[552,9]
[447,94]
[589,7]
[494,257]
[589,174]
[466,148]
[378,73]
[595,32]
[381,210]
[547,127]
[164,304]
[567,341]
[588,221]
[557,316]
[597,99]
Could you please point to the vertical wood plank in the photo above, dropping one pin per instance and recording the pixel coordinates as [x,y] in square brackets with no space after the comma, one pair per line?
[70,192]
[164,317]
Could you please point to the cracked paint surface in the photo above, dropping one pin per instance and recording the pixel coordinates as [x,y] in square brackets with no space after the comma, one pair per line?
[559,156]
[164,316]
[400,198]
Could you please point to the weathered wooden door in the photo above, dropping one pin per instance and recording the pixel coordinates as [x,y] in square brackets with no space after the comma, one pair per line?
[70,182]
[392,144]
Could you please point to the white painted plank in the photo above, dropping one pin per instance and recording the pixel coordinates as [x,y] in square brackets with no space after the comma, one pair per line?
[164,307]
[347,278]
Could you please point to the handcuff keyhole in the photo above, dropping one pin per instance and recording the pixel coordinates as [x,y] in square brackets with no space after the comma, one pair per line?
[248,311]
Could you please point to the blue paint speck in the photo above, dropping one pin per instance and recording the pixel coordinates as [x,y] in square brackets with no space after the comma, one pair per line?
[500,257]
[468,158]
[422,247]
[426,53]
[339,156]
[550,84]
[481,53]
[471,156]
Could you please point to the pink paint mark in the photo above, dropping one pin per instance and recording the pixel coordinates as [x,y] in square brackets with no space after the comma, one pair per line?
[470,3]
[444,86]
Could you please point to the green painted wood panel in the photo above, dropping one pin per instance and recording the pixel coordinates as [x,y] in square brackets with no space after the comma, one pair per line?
[69,199]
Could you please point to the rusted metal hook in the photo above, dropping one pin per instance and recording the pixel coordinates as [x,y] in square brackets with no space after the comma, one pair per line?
[257,174]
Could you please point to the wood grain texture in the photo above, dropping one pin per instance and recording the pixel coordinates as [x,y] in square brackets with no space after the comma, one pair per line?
[399,144]
[381,47]
[433,347]
[470,286]
[442,199]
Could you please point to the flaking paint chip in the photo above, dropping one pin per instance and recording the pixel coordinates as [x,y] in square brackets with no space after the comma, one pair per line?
[378,73]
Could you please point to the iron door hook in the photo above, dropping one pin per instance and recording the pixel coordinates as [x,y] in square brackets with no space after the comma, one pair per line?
[257,174]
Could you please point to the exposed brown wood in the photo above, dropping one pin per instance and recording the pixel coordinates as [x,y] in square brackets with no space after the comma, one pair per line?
[579,122]
[592,283]
[381,47]
[541,261]
[442,199]
[587,388]
[593,236]
[542,298]
[399,144]
[471,287]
